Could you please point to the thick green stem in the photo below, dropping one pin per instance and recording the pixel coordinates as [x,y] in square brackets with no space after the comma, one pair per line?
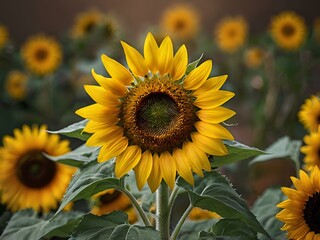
[180,223]
[137,206]
[163,223]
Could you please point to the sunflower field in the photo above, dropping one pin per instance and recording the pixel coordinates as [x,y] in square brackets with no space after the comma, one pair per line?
[178,132]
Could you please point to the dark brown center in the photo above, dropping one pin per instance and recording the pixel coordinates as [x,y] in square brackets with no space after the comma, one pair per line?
[109,197]
[180,24]
[311,212]
[41,54]
[288,30]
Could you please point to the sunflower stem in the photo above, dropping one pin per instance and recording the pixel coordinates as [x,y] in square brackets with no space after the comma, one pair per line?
[177,229]
[163,223]
[137,206]
[172,198]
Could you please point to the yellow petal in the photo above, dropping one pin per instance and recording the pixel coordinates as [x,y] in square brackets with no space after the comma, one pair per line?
[198,76]
[168,169]
[180,62]
[183,166]
[112,149]
[215,115]
[116,70]
[93,126]
[127,160]
[102,136]
[155,176]
[135,61]
[213,130]
[101,96]
[165,56]
[213,84]
[151,53]
[212,99]
[97,112]
[209,145]
[143,169]
[194,160]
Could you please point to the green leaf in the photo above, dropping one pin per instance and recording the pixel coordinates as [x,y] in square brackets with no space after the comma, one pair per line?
[265,209]
[193,65]
[211,236]
[237,152]
[77,157]
[74,130]
[133,232]
[191,229]
[214,193]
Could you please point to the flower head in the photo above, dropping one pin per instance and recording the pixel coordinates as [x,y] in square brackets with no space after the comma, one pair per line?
[311,150]
[3,35]
[288,30]
[155,119]
[16,84]
[27,178]
[86,22]
[41,54]
[231,33]
[254,57]
[309,114]
[301,210]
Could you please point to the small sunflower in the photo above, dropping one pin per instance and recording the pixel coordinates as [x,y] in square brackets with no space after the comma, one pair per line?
[316,29]
[301,210]
[309,114]
[16,85]
[156,120]
[180,22]
[311,150]
[86,22]
[3,36]
[253,57]
[202,214]
[288,30]
[41,54]
[113,200]
[231,33]
[27,178]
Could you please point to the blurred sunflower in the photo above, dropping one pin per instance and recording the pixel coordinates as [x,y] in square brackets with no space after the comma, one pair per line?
[253,57]
[231,33]
[86,22]
[300,211]
[113,200]
[202,214]
[311,150]
[16,85]
[288,30]
[27,178]
[316,29]
[181,22]
[41,54]
[309,114]
[3,35]
[157,121]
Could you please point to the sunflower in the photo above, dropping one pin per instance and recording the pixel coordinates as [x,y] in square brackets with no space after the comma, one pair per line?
[157,121]
[311,150]
[231,33]
[86,22]
[27,178]
[202,214]
[113,200]
[41,54]
[309,114]
[3,36]
[288,30]
[16,84]
[253,57]
[181,22]
[301,210]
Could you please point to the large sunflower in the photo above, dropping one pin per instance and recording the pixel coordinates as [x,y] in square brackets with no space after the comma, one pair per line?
[27,178]
[16,84]
[301,210]
[309,114]
[231,33]
[86,22]
[311,150]
[113,200]
[41,54]
[156,120]
[181,22]
[288,30]
[3,36]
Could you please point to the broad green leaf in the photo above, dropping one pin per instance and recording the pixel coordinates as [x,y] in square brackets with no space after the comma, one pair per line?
[191,229]
[133,232]
[77,157]
[265,209]
[214,193]
[89,180]
[193,65]
[74,130]
[211,236]
[236,152]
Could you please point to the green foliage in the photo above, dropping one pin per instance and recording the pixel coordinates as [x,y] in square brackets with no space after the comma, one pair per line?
[234,228]
[191,229]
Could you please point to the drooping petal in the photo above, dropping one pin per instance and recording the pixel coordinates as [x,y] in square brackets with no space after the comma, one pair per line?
[112,149]
[97,112]
[215,115]
[179,64]
[209,145]
[198,76]
[151,53]
[135,60]
[212,84]
[165,56]
[127,160]
[116,70]
[213,99]
[155,176]
[101,96]
[143,169]
[183,166]
[168,168]
[213,130]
